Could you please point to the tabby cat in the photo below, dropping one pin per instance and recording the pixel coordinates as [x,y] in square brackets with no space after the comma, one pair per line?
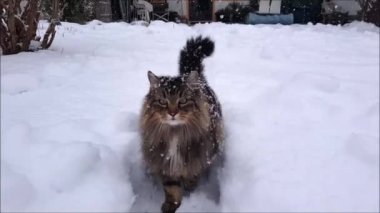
[181,125]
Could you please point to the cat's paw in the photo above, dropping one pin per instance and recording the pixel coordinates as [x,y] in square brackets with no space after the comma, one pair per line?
[170,207]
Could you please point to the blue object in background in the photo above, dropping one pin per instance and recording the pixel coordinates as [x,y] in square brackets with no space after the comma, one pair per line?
[254,18]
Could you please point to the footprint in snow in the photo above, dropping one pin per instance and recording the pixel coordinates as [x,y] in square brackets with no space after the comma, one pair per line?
[14,84]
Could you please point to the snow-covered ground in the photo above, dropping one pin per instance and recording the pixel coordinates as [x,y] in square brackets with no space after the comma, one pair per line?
[301,107]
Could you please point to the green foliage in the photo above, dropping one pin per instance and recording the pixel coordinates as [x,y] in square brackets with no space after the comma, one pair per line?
[370,12]
[373,14]
[254,5]
[304,3]
[286,6]
[233,13]
[79,11]
[337,18]
[47,8]
[304,11]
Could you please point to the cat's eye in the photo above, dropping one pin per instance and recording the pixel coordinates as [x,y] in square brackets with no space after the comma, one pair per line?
[182,101]
[162,101]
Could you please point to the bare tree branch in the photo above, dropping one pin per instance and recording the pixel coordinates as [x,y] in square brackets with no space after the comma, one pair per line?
[50,32]
[49,36]
[11,26]
[32,16]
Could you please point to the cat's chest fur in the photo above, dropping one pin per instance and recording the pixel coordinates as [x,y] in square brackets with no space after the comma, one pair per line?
[172,151]
[173,155]
[177,153]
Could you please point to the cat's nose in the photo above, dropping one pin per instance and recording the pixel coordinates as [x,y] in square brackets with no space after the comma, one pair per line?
[173,113]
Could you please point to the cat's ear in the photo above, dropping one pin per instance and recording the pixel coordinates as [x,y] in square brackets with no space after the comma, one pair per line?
[193,79]
[153,79]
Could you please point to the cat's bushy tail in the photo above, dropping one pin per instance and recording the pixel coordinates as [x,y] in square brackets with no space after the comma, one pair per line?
[193,53]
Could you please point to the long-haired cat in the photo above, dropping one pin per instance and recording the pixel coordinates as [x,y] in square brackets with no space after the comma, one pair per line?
[181,125]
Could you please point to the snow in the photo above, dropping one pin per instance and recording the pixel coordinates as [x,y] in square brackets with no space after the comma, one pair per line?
[300,102]
[18,83]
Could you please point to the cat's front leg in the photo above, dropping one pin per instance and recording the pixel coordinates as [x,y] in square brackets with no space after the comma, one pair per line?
[191,183]
[173,196]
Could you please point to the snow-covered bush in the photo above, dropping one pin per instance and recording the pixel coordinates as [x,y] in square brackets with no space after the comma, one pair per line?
[19,19]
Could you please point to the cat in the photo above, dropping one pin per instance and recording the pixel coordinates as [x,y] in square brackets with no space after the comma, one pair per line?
[181,125]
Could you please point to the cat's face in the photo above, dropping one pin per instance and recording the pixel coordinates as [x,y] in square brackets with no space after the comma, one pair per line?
[173,101]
